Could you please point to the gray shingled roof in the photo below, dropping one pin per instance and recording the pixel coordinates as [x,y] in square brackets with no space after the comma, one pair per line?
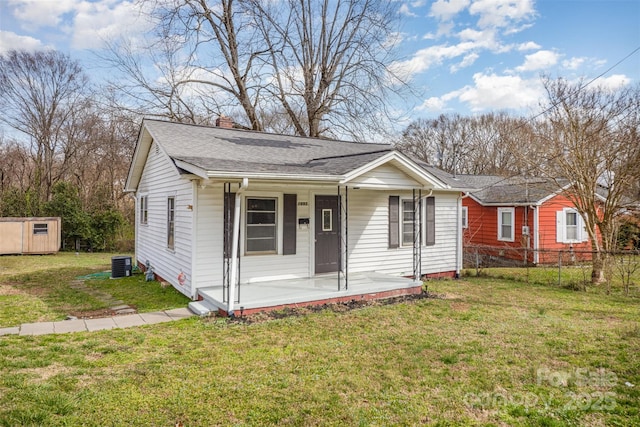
[494,189]
[449,179]
[235,150]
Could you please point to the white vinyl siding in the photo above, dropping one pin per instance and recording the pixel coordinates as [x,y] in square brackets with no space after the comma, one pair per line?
[506,227]
[263,267]
[570,227]
[369,235]
[160,180]
[385,176]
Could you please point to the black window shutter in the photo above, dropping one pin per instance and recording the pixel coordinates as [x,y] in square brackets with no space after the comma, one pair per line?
[229,214]
[290,220]
[394,226]
[431,221]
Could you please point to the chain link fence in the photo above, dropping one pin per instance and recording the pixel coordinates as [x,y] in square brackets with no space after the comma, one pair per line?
[566,268]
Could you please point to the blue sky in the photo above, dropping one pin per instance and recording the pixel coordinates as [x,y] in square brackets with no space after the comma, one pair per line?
[463,56]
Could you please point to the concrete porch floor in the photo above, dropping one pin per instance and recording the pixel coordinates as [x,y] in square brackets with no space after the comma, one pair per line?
[264,296]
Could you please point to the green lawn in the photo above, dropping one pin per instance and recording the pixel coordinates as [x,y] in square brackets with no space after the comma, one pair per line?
[38,288]
[492,352]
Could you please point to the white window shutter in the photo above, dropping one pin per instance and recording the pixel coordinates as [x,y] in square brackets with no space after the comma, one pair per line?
[583,229]
[560,226]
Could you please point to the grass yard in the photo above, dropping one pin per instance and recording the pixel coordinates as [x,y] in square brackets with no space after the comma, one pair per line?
[493,352]
[38,289]
[624,276]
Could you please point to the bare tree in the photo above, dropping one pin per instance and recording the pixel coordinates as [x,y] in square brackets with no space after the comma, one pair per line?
[330,60]
[39,93]
[310,68]
[442,141]
[472,145]
[591,138]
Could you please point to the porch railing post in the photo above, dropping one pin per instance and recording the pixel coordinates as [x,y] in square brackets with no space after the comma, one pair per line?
[225,241]
[419,234]
[346,237]
[339,239]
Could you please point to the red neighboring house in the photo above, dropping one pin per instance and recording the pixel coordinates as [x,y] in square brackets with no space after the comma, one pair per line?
[522,218]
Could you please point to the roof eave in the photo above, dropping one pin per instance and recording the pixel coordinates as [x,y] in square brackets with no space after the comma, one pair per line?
[212,174]
[416,172]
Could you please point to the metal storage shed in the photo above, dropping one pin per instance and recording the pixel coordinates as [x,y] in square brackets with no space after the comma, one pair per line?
[29,235]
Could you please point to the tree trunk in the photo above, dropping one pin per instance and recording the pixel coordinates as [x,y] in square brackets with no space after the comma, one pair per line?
[597,273]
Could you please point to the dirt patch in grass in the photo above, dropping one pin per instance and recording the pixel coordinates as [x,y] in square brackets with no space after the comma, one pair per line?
[339,307]
[44,373]
[460,306]
[8,288]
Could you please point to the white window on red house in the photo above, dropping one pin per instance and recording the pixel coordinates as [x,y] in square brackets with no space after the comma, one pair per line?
[465,217]
[506,224]
[570,227]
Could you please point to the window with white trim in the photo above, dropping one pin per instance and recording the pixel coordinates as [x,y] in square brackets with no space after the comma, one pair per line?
[171,222]
[465,217]
[261,234]
[570,227]
[408,215]
[144,209]
[506,226]
[571,224]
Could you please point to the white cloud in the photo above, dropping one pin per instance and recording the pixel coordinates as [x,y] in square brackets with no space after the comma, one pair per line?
[615,81]
[501,13]
[485,38]
[467,61]
[394,39]
[404,10]
[37,13]
[426,58]
[445,10]
[95,22]
[432,104]
[494,92]
[10,40]
[528,46]
[573,63]
[86,22]
[445,28]
[540,60]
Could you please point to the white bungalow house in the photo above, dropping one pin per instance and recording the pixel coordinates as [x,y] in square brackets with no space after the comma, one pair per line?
[308,220]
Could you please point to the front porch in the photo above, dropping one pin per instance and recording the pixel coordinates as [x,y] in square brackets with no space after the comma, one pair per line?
[266,296]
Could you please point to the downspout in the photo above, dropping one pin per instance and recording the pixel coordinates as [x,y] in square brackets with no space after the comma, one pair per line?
[234,247]
[463,195]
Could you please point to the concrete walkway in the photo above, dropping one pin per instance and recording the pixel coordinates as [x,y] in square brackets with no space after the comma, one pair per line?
[83,325]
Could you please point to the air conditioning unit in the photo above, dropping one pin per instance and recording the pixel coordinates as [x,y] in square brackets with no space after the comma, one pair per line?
[120,266]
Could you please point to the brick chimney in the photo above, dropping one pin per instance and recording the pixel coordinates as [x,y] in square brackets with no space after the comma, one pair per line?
[224,122]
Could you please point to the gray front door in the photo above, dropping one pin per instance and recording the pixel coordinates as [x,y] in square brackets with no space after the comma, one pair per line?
[327,243]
